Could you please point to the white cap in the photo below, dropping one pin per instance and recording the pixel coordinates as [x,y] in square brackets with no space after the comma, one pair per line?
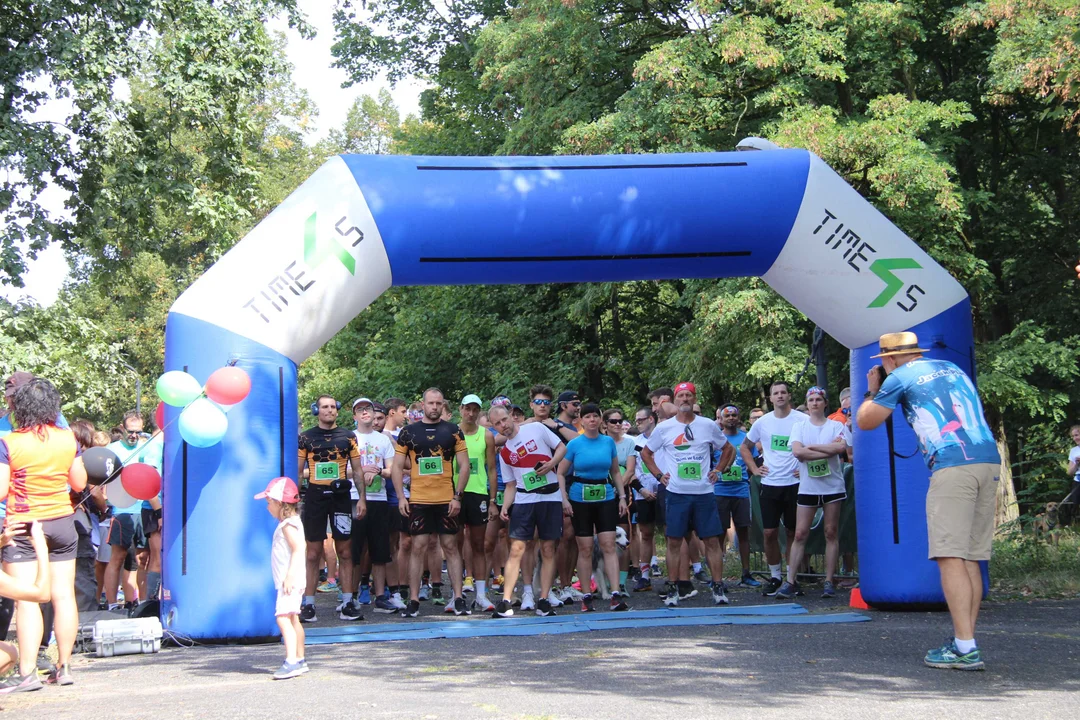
[357,401]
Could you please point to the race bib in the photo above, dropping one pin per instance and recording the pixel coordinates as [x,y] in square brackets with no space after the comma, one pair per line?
[732,474]
[376,485]
[499,498]
[327,471]
[594,493]
[533,481]
[689,471]
[780,443]
[473,467]
[430,465]
[818,468]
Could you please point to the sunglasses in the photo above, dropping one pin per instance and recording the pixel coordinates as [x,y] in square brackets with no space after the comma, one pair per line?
[615,421]
[641,420]
[575,403]
[688,433]
[541,401]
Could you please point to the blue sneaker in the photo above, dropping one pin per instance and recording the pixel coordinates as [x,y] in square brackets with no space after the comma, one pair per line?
[642,584]
[365,596]
[289,670]
[947,656]
[748,581]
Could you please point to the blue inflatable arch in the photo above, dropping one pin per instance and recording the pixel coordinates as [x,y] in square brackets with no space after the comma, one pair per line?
[362,224]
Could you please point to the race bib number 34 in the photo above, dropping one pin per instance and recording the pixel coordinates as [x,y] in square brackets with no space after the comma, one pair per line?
[818,468]
[780,443]
[689,471]
[430,465]
[326,471]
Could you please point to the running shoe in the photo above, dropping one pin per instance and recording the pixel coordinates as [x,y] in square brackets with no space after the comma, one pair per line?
[787,591]
[397,601]
[468,586]
[289,670]
[459,607]
[503,610]
[671,599]
[328,586]
[303,665]
[829,591]
[586,603]
[448,607]
[425,592]
[411,610]
[365,596]
[702,576]
[15,682]
[528,602]
[553,598]
[771,586]
[497,582]
[622,590]
[383,606]
[44,664]
[667,590]
[61,675]
[481,601]
[570,594]
[437,596]
[688,593]
[349,611]
[948,656]
[748,581]
[719,597]
[655,567]
[307,614]
[642,584]
[618,604]
[543,608]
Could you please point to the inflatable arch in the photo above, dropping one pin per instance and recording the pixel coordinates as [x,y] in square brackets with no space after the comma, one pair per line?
[361,224]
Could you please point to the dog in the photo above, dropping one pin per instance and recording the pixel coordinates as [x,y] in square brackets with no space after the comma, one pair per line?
[622,542]
[1046,524]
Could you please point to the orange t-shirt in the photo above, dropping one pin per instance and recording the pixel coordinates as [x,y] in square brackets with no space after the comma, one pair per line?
[39,472]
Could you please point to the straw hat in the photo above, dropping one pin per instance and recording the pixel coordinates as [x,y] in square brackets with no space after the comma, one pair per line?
[901,343]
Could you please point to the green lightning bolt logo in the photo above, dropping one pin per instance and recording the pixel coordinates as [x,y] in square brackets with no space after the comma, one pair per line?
[883,268]
[315,252]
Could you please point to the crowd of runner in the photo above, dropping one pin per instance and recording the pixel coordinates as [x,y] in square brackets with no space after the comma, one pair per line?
[563,501]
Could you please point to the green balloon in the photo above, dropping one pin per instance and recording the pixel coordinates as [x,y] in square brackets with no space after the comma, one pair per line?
[178,388]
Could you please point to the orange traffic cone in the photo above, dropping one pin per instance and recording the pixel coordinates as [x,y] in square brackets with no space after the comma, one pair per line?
[856,600]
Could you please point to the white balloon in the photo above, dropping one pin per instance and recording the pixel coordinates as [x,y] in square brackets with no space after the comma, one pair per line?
[118,496]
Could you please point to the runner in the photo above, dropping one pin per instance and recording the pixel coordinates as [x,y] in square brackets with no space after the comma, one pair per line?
[733,494]
[371,530]
[400,544]
[643,514]
[324,451]
[587,474]
[1072,501]
[688,441]
[818,443]
[626,448]
[779,476]
[532,503]
[478,501]
[433,505]
[564,425]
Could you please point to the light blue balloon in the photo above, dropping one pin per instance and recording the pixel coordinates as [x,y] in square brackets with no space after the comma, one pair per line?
[203,424]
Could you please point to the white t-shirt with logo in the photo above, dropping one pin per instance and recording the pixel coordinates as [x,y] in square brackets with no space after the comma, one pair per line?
[534,443]
[686,455]
[825,476]
[642,473]
[1074,457]
[375,449]
[774,435]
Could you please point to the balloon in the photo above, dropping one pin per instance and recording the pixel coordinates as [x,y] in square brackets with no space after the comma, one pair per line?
[100,463]
[228,386]
[159,416]
[118,496]
[141,480]
[202,423]
[178,388]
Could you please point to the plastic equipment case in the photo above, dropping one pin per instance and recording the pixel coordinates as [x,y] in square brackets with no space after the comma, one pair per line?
[127,636]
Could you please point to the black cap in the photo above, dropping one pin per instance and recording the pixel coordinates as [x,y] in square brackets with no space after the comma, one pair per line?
[568,396]
[379,408]
[516,407]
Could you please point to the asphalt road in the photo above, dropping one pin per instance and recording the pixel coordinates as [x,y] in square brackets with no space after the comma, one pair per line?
[838,671]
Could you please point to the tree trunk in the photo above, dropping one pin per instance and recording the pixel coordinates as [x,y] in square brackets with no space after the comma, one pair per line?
[1007,509]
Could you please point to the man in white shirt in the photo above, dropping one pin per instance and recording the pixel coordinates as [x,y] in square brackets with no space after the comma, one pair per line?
[779,475]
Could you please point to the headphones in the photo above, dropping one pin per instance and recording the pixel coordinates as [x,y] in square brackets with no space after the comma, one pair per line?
[315,407]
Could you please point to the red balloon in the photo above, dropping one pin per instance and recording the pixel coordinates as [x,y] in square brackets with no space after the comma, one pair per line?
[159,416]
[141,481]
[228,386]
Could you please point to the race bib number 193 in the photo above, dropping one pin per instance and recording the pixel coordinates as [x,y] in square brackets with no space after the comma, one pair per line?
[818,468]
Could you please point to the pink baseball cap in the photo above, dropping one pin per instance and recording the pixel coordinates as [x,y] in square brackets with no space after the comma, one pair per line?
[282,489]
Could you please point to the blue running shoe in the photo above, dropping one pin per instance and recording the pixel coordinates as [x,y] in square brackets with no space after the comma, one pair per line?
[748,581]
[365,596]
[947,656]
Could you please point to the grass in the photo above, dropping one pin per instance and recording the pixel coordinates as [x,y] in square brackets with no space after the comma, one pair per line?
[1022,566]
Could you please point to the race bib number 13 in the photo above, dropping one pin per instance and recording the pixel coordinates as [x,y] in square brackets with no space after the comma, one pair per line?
[689,471]
[430,465]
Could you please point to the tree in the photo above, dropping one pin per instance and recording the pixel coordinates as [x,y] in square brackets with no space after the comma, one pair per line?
[369,126]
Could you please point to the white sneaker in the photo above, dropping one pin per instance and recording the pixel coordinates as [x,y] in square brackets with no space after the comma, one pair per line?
[572,595]
[425,592]
[553,598]
[672,600]
[564,594]
[397,602]
[481,601]
[527,600]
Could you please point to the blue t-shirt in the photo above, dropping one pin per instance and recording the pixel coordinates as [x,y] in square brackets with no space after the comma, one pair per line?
[591,460]
[942,406]
[736,481]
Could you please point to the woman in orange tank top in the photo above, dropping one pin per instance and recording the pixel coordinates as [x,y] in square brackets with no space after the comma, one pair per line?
[38,463]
